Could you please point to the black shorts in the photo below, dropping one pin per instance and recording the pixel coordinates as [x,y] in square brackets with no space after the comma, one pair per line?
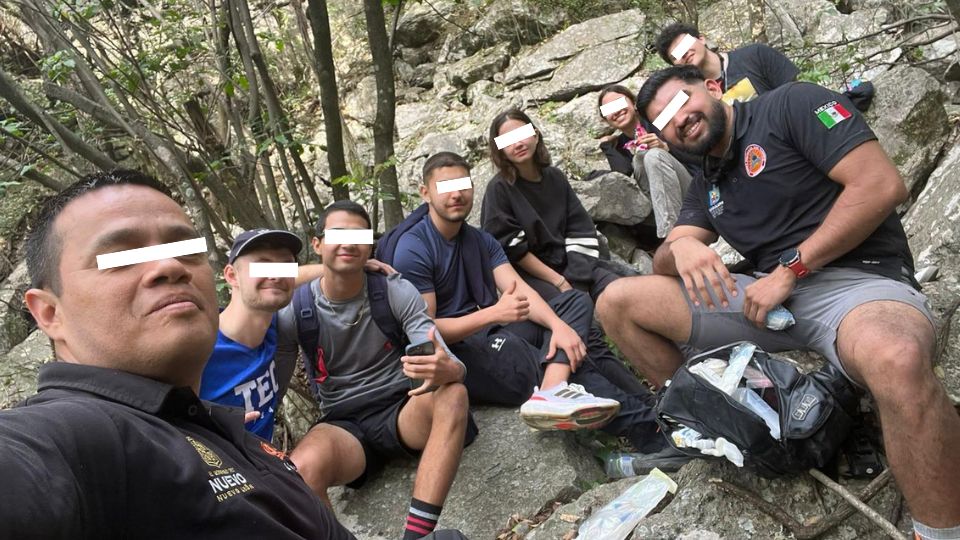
[377,431]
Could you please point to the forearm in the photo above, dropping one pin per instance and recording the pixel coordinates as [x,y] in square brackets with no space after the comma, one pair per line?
[307,273]
[541,312]
[456,329]
[857,212]
[663,261]
[536,268]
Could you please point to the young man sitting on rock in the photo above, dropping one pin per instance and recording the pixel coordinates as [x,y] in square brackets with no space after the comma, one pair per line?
[796,181]
[742,73]
[511,344]
[363,381]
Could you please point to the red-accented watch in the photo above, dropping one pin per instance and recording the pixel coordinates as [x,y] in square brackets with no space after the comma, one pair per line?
[791,259]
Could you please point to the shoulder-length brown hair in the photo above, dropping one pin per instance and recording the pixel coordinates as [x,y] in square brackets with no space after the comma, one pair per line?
[616,89]
[541,157]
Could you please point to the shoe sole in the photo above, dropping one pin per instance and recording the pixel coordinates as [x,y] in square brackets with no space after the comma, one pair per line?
[586,418]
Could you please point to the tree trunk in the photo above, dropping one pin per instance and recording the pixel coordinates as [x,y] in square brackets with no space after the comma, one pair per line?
[386,110]
[329,95]
[954,7]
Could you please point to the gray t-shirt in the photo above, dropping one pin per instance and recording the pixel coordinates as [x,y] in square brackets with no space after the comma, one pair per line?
[360,362]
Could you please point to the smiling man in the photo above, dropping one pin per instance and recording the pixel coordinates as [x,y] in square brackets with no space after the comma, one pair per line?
[797,182]
[245,369]
[116,443]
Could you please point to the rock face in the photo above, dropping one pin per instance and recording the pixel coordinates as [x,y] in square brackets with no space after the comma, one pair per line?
[909,119]
[14,318]
[614,198]
[507,470]
[18,369]
[933,222]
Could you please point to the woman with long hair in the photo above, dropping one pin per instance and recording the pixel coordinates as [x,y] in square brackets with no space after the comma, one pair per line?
[636,152]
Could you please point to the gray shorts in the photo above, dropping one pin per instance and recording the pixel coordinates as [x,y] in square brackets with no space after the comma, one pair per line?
[819,304]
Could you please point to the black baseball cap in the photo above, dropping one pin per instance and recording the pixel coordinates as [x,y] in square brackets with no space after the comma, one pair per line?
[247,240]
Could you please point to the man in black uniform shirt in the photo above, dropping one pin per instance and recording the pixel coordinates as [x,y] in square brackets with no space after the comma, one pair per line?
[743,73]
[116,443]
[796,181]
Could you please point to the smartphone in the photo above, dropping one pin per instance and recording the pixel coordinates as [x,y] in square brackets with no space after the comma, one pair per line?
[419,349]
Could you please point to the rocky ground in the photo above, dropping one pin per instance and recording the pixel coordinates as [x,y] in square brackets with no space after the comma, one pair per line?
[460,63]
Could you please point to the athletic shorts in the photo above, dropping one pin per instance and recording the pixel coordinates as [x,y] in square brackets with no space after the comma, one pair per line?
[377,431]
[819,304]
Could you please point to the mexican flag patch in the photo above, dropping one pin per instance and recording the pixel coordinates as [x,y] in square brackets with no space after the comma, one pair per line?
[831,114]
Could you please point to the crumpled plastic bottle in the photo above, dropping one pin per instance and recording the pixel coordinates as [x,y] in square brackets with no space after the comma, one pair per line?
[617,519]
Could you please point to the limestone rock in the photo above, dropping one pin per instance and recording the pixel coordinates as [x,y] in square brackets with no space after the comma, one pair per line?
[15,322]
[909,119]
[482,65]
[18,369]
[508,470]
[643,262]
[591,69]
[570,516]
[515,22]
[942,294]
[421,23]
[543,59]
[620,240]
[614,198]
[933,222]
[361,104]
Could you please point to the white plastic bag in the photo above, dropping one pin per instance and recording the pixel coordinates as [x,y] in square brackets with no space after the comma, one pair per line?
[618,518]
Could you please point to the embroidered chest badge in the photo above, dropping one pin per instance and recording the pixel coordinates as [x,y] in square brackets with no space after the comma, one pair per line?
[754,160]
[714,204]
[831,114]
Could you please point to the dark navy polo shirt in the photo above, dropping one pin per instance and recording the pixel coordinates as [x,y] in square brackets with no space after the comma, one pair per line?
[771,191]
[100,453]
[766,67]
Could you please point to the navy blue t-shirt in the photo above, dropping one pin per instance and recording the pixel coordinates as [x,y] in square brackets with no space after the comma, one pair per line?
[433,264]
[239,376]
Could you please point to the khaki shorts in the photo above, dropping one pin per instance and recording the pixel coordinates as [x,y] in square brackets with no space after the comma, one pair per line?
[819,304]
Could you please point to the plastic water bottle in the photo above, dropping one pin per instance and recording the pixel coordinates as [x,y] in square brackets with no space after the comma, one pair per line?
[620,465]
[616,520]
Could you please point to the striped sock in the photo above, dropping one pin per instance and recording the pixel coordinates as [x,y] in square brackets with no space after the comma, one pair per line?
[421,520]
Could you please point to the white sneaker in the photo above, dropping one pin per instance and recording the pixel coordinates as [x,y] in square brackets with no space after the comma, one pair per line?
[567,406]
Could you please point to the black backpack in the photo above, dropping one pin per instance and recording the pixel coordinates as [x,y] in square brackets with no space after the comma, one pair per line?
[308,324]
[815,411]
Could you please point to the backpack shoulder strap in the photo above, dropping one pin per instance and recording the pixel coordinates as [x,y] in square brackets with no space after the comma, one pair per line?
[381,311]
[308,330]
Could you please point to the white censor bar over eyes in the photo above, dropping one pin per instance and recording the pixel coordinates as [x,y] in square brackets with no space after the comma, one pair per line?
[616,105]
[670,110]
[682,47]
[152,253]
[348,236]
[446,186]
[273,270]
[510,137]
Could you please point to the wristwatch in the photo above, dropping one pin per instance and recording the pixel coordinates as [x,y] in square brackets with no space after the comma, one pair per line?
[791,259]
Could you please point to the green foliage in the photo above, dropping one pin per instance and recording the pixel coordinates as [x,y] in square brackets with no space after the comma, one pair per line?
[581,10]
[58,65]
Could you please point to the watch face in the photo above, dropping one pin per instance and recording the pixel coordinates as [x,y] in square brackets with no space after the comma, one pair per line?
[789,256]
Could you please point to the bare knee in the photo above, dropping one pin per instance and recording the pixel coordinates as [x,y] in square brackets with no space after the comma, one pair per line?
[897,370]
[450,402]
[320,457]
[613,299]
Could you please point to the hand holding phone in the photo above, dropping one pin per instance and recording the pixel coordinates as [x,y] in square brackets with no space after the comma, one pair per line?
[424,348]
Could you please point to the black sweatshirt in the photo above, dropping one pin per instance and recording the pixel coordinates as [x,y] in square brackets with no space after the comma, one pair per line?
[544,218]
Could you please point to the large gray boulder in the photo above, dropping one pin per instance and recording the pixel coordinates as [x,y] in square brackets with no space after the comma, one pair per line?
[18,369]
[515,22]
[614,198]
[482,65]
[909,119]
[421,23]
[591,69]
[508,470]
[933,222]
[942,294]
[542,60]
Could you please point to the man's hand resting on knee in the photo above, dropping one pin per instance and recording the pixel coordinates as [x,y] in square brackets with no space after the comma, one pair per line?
[697,264]
[435,370]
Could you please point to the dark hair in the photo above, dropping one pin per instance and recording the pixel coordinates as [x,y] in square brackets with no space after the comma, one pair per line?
[540,155]
[670,33]
[43,244]
[615,89]
[687,74]
[441,160]
[344,205]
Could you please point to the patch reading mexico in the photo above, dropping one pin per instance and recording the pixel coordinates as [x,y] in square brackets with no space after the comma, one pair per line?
[670,110]
[754,160]
[152,253]
[714,204]
[273,270]
[831,114]
[348,236]
[682,47]
[446,186]
[614,106]
[523,132]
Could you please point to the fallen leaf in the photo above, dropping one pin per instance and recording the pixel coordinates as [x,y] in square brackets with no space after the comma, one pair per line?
[569,518]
